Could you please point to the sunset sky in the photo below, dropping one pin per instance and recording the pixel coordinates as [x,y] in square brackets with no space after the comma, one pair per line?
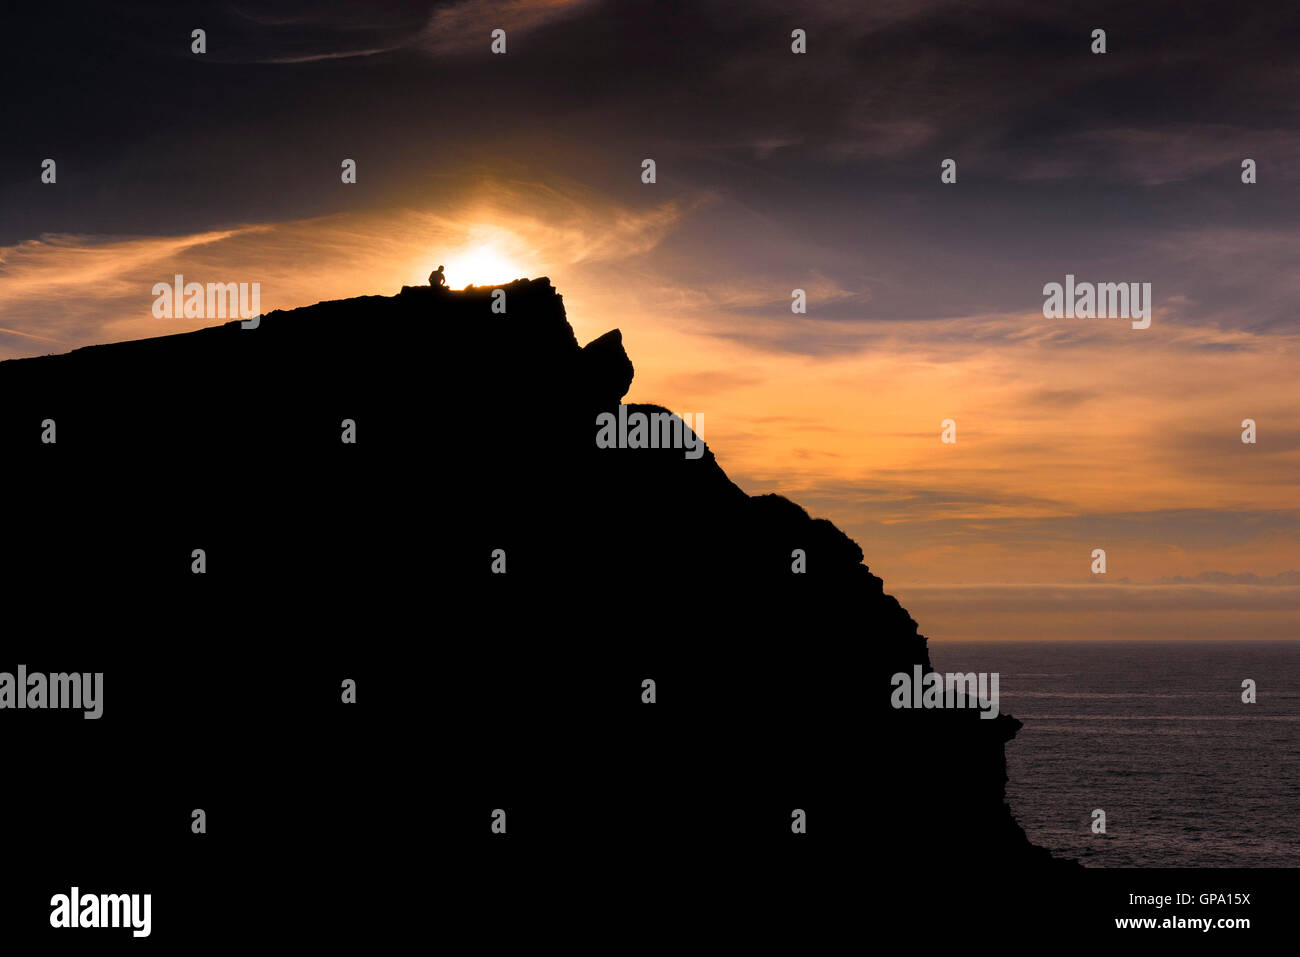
[775,171]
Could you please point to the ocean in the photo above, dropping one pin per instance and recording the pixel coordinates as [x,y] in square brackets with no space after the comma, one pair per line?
[1155,734]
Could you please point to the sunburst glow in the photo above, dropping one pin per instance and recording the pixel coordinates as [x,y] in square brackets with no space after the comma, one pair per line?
[480,265]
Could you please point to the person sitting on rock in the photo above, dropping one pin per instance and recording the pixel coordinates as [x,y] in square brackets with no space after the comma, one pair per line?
[436,278]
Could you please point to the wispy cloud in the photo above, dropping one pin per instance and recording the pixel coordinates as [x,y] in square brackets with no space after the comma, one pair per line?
[466,25]
[991,612]
[79,290]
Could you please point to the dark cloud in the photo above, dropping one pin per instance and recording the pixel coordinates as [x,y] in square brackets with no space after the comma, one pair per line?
[858,124]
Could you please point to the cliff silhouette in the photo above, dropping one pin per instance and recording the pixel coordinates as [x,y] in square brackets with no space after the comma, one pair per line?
[475,433]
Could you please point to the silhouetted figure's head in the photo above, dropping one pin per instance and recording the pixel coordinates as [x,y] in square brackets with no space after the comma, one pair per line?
[436,278]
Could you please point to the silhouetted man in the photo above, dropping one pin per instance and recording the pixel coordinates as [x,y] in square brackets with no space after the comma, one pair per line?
[436,278]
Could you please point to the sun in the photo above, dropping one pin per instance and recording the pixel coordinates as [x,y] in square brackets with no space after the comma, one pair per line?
[480,266]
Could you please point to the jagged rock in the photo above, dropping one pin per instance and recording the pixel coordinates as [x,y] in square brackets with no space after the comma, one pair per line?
[607,368]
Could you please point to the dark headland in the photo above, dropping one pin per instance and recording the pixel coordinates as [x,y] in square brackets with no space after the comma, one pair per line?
[475,433]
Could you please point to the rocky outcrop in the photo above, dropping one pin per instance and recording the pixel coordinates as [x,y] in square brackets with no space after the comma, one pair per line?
[474,453]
